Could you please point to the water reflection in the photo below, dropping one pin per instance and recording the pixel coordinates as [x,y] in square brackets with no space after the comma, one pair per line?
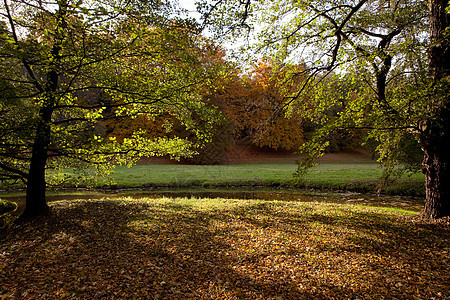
[407,203]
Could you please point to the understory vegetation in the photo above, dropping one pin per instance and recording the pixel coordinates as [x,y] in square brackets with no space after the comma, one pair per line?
[224,249]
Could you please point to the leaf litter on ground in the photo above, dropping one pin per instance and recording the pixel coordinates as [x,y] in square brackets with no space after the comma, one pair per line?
[189,248]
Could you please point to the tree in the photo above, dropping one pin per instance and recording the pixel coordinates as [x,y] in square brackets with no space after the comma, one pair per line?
[435,130]
[255,104]
[212,151]
[252,108]
[377,48]
[64,63]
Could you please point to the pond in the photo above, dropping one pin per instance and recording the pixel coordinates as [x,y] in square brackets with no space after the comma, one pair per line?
[401,202]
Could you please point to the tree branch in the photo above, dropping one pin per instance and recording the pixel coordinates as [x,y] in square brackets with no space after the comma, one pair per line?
[13,170]
[16,40]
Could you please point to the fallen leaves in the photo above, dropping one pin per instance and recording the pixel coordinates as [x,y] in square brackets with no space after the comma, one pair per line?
[223,249]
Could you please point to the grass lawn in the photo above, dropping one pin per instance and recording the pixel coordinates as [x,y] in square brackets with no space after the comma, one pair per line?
[188,248]
[345,176]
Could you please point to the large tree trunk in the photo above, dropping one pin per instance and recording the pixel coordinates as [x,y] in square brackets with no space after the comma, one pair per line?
[436,132]
[36,203]
[436,144]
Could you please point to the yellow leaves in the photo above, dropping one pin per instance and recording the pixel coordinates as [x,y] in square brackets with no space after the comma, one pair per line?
[190,248]
[62,294]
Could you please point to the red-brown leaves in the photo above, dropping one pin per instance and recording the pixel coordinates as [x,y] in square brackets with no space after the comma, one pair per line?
[229,249]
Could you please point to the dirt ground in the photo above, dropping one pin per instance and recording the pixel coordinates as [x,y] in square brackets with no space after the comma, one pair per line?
[243,154]
[251,154]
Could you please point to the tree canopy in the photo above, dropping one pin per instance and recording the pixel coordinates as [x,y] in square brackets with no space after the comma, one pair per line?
[65,64]
[69,67]
[390,58]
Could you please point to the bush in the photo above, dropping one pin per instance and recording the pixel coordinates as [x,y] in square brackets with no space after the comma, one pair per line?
[6,206]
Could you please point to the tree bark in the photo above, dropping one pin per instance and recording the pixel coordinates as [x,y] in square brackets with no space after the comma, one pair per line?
[439,52]
[435,136]
[36,203]
[436,145]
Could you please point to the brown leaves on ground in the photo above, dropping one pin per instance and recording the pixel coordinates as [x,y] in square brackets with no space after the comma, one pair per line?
[224,249]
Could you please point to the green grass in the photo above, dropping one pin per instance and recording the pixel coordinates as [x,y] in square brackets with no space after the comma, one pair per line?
[359,177]
[190,248]
[186,175]
[362,177]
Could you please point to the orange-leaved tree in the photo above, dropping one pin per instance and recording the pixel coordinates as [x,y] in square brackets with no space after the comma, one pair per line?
[257,106]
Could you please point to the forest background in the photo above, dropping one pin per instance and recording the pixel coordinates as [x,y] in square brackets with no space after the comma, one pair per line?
[99,84]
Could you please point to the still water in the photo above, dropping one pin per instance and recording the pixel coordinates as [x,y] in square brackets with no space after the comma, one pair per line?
[402,202]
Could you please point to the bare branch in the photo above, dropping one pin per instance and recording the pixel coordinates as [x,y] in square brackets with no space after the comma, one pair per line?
[13,170]
[16,40]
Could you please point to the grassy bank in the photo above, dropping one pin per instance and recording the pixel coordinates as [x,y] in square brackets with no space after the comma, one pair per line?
[224,249]
[362,177]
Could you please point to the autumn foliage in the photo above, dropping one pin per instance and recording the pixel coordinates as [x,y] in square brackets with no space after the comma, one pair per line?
[257,107]
[252,105]
[224,249]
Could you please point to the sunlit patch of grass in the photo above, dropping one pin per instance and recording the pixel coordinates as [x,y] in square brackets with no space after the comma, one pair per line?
[360,177]
[357,177]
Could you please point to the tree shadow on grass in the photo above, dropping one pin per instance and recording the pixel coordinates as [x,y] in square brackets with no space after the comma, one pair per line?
[137,249]
[381,253]
[114,249]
